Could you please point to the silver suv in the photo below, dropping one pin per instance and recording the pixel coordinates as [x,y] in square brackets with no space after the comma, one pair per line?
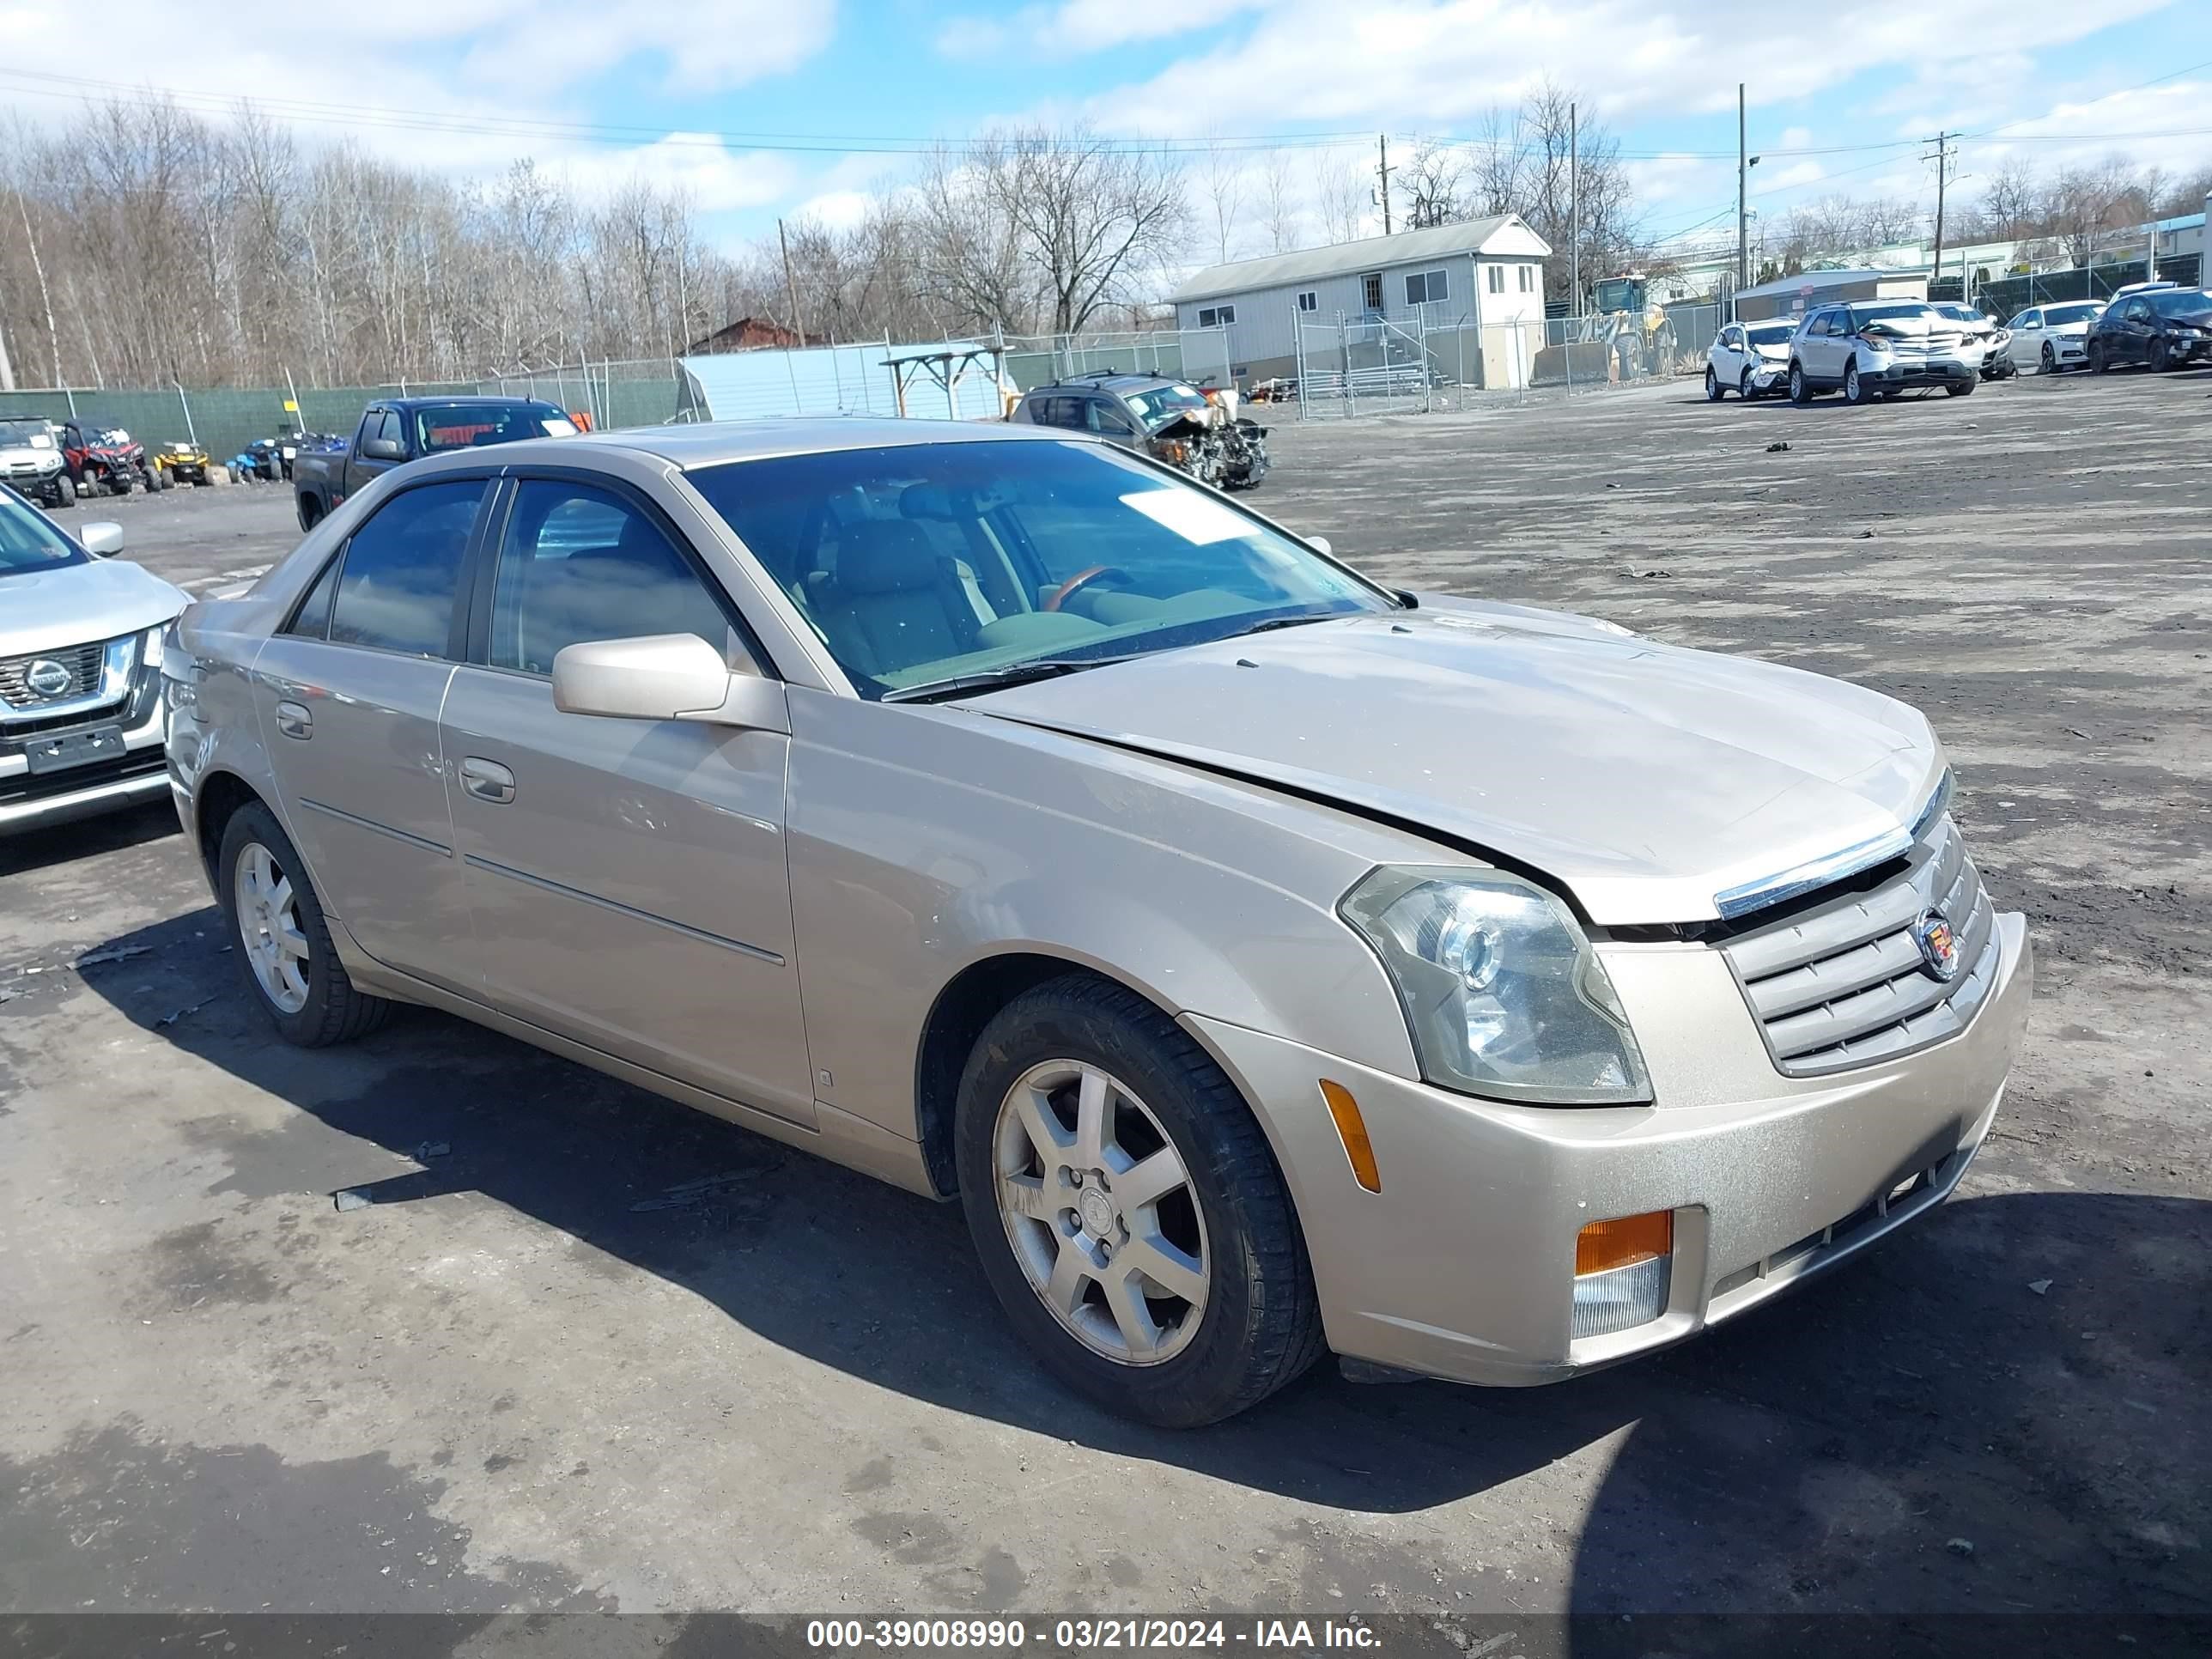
[81,723]
[1878,348]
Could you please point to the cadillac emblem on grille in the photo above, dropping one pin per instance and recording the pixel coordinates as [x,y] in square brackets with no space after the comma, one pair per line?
[48,678]
[1939,945]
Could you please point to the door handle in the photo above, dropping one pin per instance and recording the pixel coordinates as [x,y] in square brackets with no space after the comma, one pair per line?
[294,721]
[487,780]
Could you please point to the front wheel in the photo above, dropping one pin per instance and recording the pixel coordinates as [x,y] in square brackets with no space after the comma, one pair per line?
[2099,364]
[65,491]
[1713,385]
[2050,358]
[283,941]
[1855,390]
[1128,1213]
[1800,393]
[2161,359]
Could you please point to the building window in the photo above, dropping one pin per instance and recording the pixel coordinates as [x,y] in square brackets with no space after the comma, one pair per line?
[1309,300]
[1497,278]
[1216,316]
[1527,278]
[1427,288]
[1370,290]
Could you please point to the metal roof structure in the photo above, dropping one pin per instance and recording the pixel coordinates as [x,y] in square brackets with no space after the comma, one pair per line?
[1350,259]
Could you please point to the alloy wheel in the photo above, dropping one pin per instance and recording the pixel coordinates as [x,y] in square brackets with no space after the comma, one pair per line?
[1743,386]
[2050,359]
[269,930]
[1100,1213]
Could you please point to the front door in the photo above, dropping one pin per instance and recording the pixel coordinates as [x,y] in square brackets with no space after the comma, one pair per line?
[627,878]
[2026,348]
[349,699]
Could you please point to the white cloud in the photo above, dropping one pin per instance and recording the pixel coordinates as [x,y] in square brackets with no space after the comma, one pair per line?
[836,209]
[1410,62]
[713,177]
[1084,26]
[704,45]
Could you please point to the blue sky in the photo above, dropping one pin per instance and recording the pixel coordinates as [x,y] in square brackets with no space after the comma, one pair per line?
[760,109]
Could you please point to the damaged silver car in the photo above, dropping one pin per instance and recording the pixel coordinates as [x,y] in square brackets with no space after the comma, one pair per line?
[1270,963]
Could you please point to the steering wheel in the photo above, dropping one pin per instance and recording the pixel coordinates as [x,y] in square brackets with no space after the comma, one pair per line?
[1081,580]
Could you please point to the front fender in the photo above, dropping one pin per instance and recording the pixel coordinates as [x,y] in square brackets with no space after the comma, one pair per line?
[924,841]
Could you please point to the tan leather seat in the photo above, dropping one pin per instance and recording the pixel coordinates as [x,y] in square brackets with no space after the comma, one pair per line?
[893,600]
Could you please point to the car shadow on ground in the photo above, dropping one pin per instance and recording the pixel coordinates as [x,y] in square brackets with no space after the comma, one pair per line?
[1928,1392]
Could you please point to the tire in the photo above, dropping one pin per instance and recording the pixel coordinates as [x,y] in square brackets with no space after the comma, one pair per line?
[1800,391]
[157,480]
[311,513]
[2160,358]
[1743,386]
[1960,388]
[119,483]
[328,1009]
[1259,1325]
[65,491]
[1855,389]
[1712,385]
[2098,365]
[2050,359]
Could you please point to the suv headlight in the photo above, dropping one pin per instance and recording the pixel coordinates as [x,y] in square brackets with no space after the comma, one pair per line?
[1502,992]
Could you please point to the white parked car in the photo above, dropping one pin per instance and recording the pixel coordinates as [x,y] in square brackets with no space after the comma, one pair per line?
[1878,348]
[2054,336]
[1983,330]
[1749,359]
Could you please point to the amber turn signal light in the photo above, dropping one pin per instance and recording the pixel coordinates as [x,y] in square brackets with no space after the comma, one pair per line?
[1351,1130]
[1604,1245]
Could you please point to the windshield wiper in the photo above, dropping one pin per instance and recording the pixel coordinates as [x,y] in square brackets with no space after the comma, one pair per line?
[1273,623]
[1016,673]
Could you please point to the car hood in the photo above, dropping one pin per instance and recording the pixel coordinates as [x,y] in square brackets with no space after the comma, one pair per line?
[29,453]
[1657,784]
[46,608]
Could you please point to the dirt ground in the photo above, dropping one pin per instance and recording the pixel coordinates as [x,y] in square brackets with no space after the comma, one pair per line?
[554,1369]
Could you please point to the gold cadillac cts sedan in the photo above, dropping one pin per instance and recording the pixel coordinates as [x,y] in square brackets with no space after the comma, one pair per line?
[1268,960]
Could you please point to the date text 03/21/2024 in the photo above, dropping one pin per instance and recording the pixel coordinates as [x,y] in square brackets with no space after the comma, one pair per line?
[1297,1635]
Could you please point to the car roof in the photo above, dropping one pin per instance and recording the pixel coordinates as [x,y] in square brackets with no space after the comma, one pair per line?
[1111,383]
[712,443]
[472,399]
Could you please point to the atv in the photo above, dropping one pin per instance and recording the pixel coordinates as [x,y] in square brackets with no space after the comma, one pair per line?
[103,458]
[177,461]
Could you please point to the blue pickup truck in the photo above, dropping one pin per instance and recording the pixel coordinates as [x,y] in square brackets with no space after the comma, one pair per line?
[396,430]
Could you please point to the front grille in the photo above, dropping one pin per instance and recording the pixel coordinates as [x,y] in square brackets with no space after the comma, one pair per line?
[82,662]
[1843,983]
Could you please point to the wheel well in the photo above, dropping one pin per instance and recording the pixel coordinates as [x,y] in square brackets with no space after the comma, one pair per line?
[962,1009]
[219,796]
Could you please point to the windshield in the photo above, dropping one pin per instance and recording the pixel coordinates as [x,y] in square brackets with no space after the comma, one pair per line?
[926,563]
[1773,334]
[2180,302]
[17,434]
[1160,405]
[2058,315]
[461,426]
[29,543]
[1963,314]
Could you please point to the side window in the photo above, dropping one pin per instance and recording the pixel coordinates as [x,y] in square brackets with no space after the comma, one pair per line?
[1103,415]
[313,619]
[396,589]
[578,562]
[1527,278]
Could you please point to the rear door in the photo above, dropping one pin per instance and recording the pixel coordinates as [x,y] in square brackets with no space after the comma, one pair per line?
[627,878]
[349,697]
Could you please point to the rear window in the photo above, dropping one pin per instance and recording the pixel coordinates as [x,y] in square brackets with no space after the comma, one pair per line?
[462,426]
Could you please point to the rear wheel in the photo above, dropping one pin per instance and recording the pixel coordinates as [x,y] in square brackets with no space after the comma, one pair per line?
[311,511]
[1128,1210]
[284,944]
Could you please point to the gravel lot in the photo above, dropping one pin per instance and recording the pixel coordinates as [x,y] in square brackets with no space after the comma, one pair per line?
[553,1368]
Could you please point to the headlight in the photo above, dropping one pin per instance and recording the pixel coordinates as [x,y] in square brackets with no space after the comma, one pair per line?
[1503,993]
[149,649]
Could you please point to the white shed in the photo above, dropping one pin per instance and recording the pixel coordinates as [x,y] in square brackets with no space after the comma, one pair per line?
[1481,274]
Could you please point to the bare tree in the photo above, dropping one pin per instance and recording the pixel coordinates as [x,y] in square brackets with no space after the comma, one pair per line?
[2082,204]
[2009,204]
[1435,179]
[1221,183]
[1341,192]
[1278,198]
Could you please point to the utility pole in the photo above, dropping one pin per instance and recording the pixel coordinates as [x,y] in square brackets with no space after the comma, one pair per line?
[1945,152]
[1742,223]
[1382,170]
[1574,216]
[790,286]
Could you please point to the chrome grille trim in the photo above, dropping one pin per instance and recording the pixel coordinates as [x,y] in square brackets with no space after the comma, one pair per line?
[99,671]
[1844,985]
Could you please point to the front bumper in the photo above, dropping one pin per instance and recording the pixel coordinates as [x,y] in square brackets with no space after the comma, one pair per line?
[1896,375]
[30,801]
[1462,1266]
[1769,377]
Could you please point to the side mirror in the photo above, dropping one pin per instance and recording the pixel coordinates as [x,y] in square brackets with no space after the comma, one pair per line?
[1321,545]
[383,449]
[103,539]
[664,676]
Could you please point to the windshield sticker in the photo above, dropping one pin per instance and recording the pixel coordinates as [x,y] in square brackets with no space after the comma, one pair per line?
[1190,514]
[559,429]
